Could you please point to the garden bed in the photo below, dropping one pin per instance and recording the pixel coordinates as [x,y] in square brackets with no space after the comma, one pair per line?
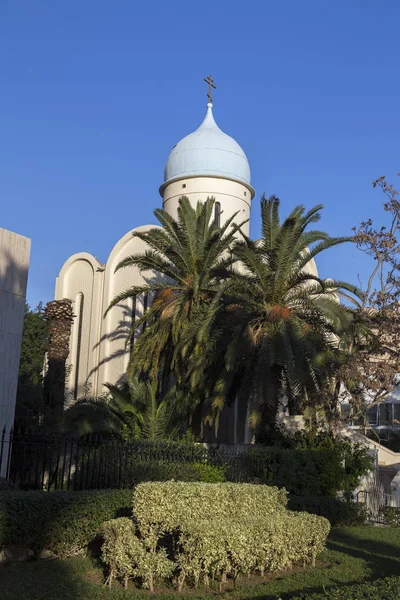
[354,555]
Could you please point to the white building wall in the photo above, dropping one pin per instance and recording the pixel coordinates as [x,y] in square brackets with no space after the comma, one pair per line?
[115,327]
[14,265]
[233,196]
[103,354]
[81,280]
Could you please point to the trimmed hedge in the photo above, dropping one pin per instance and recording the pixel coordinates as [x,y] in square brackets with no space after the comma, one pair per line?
[338,512]
[381,589]
[210,531]
[127,556]
[62,522]
[265,545]
[164,506]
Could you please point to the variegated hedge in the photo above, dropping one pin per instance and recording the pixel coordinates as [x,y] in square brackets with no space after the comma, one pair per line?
[199,531]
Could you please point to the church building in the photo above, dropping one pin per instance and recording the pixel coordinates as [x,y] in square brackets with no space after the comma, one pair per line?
[205,163]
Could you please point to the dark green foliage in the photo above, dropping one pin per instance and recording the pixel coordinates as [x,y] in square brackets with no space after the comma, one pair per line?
[6,484]
[282,316]
[347,464]
[61,522]
[112,463]
[130,411]
[338,512]
[30,377]
[305,472]
[136,471]
[209,473]
[382,589]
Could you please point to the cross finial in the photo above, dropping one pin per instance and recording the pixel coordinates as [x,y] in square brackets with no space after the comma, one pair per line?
[211,85]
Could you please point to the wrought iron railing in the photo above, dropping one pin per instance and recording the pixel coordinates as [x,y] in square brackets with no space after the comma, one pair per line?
[64,462]
[375,501]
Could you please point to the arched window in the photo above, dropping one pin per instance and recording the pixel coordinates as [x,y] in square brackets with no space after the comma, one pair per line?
[79,325]
[217,214]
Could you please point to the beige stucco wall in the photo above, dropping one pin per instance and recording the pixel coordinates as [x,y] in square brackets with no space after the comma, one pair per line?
[81,278]
[233,196]
[115,327]
[14,265]
[103,354]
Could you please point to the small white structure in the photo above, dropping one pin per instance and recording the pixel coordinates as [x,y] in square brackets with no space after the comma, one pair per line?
[205,163]
[14,266]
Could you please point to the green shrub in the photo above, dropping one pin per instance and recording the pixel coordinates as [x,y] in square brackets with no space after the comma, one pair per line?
[161,470]
[164,506]
[121,549]
[302,472]
[62,522]
[211,531]
[317,466]
[127,556]
[345,466]
[391,515]
[157,470]
[381,589]
[338,512]
[209,473]
[132,471]
[231,547]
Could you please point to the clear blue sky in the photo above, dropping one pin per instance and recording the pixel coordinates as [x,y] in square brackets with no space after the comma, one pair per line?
[94,94]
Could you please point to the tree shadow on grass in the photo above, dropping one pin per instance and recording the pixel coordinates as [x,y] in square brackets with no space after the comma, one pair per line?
[40,580]
[382,558]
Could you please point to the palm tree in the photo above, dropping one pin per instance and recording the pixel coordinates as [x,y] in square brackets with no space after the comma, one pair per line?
[129,411]
[279,312]
[192,261]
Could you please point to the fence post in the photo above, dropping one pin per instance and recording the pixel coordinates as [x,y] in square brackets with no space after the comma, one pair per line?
[10,439]
[3,468]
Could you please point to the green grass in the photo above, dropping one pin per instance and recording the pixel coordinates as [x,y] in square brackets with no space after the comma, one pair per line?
[354,554]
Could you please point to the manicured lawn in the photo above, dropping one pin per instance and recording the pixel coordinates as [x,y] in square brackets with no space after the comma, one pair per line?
[354,554]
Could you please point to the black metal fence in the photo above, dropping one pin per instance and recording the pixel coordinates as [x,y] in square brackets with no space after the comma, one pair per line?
[376,503]
[61,462]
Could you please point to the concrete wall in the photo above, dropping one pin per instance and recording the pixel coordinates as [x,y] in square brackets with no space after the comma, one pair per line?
[14,265]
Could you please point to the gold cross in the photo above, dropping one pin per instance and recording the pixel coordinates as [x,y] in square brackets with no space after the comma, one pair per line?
[211,85]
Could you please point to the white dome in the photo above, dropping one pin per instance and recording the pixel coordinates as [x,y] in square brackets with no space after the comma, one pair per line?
[208,151]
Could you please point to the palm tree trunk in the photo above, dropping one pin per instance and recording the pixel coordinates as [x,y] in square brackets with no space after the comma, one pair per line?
[59,315]
[269,407]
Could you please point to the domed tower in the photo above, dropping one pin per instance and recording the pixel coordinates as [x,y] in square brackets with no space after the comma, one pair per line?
[205,163]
